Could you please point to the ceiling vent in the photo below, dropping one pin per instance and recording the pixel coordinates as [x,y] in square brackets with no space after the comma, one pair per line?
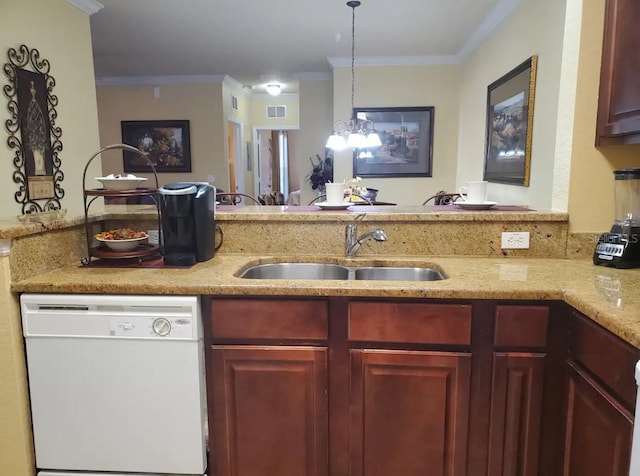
[276,112]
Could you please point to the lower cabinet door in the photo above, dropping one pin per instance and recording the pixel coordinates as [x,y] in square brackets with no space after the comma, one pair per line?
[409,413]
[599,430]
[269,411]
[516,414]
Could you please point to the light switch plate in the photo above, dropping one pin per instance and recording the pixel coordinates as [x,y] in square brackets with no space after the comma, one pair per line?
[515,240]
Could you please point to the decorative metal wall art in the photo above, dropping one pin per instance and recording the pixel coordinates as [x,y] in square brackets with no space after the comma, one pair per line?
[33,135]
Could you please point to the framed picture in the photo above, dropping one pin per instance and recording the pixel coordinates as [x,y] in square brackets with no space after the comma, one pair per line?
[166,143]
[406,134]
[509,125]
[32,131]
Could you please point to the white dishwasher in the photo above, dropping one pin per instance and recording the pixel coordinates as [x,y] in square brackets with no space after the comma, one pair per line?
[116,383]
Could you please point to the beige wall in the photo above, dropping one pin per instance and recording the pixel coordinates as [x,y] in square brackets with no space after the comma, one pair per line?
[201,104]
[591,187]
[316,119]
[60,32]
[525,33]
[241,116]
[404,86]
[16,447]
[259,104]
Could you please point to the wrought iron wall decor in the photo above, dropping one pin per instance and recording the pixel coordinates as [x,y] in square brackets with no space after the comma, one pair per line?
[33,135]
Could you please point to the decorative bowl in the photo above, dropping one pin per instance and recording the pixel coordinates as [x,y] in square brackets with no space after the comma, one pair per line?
[122,239]
[123,245]
[120,182]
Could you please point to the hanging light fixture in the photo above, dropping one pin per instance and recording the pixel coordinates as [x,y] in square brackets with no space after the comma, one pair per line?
[355,133]
[273,89]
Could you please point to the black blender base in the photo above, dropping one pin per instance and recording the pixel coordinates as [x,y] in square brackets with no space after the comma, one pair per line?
[618,250]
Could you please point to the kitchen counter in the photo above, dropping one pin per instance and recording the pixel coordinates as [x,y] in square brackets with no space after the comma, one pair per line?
[608,296]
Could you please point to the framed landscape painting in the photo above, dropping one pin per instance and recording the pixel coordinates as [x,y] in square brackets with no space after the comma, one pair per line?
[510,102]
[166,143]
[406,134]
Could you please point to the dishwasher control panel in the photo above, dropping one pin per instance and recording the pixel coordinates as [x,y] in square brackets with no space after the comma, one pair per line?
[150,326]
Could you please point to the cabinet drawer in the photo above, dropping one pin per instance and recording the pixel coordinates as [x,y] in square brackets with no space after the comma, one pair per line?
[410,323]
[606,356]
[269,319]
[521,326]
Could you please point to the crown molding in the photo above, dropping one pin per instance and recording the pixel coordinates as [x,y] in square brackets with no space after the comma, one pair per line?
[275,98]
[159,80]
[87,6]
[237,86]
[501,11]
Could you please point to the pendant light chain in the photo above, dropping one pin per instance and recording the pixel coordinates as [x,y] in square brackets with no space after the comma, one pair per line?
[354,133]
[353,51]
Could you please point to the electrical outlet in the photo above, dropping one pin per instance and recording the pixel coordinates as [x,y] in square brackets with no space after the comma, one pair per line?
[513,240]
[154,237]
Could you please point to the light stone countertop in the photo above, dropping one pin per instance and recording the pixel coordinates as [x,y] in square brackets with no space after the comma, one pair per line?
[12,227]
[608,296]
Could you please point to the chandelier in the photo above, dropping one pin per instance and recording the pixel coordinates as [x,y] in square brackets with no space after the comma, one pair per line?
[355,133]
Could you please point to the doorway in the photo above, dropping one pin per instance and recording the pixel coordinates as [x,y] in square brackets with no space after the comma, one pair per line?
[236,168]
[276,169]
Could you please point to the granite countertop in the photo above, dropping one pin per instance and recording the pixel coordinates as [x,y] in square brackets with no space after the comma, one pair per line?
[22,225]
[608,296]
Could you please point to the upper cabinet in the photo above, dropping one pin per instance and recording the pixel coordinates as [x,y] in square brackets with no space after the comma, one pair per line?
[619,101]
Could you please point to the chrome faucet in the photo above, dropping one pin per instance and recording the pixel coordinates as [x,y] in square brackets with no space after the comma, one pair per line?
[352,241]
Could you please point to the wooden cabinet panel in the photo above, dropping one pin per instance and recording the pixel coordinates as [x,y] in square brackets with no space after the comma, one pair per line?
[410,323]
[619,100]
[268,411]
[269,319]
[608,357]
[521,326]
[599,430]
[409,413]
[516,413]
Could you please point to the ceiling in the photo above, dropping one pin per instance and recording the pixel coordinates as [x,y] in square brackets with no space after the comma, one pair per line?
[261,41]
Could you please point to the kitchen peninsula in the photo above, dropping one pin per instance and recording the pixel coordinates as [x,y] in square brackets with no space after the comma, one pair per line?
[510,309]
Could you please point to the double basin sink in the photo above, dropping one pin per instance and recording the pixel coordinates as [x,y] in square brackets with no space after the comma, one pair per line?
[335,271]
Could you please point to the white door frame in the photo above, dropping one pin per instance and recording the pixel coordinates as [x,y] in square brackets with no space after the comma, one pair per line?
[239,155]
[256,164]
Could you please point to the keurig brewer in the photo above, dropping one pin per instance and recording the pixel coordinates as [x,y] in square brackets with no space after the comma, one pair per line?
[188,222]
[620,248]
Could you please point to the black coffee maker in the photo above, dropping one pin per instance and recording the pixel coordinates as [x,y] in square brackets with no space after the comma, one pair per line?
[188,222]
[620,248]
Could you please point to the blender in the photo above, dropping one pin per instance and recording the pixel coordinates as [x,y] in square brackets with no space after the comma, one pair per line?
[620,248]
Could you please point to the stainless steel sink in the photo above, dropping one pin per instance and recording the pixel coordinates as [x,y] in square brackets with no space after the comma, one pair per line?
[397,274]
[335,271]
[297,271]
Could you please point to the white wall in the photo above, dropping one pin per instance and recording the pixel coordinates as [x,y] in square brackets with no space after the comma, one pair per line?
[61,33]
[534,27]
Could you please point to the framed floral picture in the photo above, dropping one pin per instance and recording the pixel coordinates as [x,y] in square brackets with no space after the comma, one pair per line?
[166,143]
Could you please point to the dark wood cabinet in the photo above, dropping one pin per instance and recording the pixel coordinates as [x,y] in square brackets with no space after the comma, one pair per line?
[344,386]
[599,430]
[516,414]
[601,399]
[269,408]
[409,413]
[618,119]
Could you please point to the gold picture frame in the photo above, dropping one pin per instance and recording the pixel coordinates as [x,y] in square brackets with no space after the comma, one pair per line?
[510,102]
